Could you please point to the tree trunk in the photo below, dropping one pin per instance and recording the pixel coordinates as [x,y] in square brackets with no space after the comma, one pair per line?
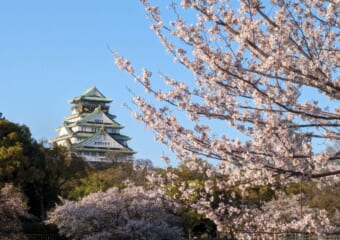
[42,207]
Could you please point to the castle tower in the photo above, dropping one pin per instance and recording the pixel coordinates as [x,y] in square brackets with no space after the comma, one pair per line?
[91,131]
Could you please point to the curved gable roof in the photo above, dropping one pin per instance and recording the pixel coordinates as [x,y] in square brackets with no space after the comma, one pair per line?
[91,94]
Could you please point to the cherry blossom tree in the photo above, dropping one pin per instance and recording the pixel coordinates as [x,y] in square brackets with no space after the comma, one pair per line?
[12,208]
[130,213]
[253,64]
[269,70]
[279,216]
[259,212]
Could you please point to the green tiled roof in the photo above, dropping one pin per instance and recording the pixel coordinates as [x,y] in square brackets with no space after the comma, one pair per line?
[83,117]
[91,94]
[98,99]
[119,136]
[111,116]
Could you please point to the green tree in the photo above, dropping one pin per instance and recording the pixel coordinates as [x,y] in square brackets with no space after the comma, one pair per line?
[97,180]
[51,173]
[42,173]
[109,175]
[15,149]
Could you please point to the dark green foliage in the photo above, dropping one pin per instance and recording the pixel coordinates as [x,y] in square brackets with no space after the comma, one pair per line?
[35,227]
[42,174]
[259,194]
[16,146]
[101,179]
[195,224]
[47,177]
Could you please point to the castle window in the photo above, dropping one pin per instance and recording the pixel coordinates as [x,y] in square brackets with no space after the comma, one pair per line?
[102,143]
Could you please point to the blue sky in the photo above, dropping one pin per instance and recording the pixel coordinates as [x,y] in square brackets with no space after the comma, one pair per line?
[52,51]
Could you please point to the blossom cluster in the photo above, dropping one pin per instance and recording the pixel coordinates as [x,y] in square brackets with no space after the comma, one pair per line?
[253,64]
[12,208]
[260,68]
[130,213]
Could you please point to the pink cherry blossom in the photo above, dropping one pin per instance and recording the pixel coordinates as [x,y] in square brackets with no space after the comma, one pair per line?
[130,213]
[269,71]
